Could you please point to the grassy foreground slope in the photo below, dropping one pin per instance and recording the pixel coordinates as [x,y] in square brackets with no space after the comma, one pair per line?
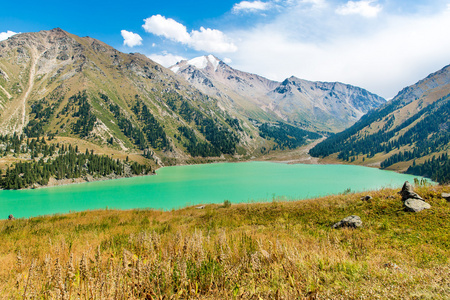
[279,250]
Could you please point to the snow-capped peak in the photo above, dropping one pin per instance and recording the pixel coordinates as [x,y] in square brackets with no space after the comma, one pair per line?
[202,62]
[175,68]
[214,61]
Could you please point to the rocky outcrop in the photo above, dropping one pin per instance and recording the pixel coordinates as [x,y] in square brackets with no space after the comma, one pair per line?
[350,222]
[407,192]
[11,217]
[411,200]
[446,196]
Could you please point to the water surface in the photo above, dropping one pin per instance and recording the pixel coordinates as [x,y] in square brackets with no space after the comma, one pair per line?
[176,187]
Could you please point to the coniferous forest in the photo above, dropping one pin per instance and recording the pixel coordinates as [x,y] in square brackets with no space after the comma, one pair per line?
[58,161]
[429,134]
[438,169]
[286,136]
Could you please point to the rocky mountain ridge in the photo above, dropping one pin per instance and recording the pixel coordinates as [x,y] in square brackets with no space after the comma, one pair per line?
[317,106]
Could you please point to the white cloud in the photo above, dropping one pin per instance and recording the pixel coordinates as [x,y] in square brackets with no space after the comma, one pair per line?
[166,59]
[131,39]
[7,34]
[247,6]
[210,40]
[363,8]
[227,60]
[390,54]
[168,28]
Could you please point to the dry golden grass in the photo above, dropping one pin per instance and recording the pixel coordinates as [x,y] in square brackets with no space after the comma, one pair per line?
[279,250]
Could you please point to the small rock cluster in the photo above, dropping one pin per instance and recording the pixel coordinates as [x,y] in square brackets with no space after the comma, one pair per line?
[411,200]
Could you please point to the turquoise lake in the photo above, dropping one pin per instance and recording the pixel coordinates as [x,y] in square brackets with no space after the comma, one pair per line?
[177,187]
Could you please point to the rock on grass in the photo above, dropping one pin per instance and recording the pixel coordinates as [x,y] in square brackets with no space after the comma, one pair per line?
[351,222]
[415,205]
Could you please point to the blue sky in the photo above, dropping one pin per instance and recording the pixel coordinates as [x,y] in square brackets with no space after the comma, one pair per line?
[380,45]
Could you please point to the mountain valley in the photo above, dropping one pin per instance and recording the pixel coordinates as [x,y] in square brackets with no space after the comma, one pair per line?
[72,90]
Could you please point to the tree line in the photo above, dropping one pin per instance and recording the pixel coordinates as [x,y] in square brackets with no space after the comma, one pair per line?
[285,135]
[60,162]
[438,169]
[429,134]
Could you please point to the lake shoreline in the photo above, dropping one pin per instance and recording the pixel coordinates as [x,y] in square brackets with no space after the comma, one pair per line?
[89,178]
[255,181]
[277,157]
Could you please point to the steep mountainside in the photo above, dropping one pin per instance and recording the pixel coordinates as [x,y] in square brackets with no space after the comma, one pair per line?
[318,106]
[243,92]
[54,83]
[406,131]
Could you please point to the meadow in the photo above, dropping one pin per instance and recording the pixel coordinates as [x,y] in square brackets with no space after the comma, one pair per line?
[275,250]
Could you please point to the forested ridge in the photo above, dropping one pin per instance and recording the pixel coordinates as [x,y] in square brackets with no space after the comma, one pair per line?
[203,133]
[438,169]
[221,138]
[285,135]
[57,161]
[428,134]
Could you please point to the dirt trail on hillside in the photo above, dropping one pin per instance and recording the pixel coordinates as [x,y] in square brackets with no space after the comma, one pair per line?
[14,116]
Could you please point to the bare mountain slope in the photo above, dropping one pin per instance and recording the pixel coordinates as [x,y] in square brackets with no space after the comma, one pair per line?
[237,90]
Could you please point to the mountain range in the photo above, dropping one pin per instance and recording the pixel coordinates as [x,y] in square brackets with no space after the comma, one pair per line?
[53,83]
[58,84]
[316,106]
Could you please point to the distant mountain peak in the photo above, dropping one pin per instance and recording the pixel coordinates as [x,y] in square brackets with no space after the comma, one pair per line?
[202,63]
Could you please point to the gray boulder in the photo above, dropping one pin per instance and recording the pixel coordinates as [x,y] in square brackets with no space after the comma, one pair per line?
[411,200]
[407,192]
[446,196]
[366,198]
[416,205]
[351,222]
[11,217]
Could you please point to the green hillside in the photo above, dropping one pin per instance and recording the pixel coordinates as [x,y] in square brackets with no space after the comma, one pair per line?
[407,131]
[62,86]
